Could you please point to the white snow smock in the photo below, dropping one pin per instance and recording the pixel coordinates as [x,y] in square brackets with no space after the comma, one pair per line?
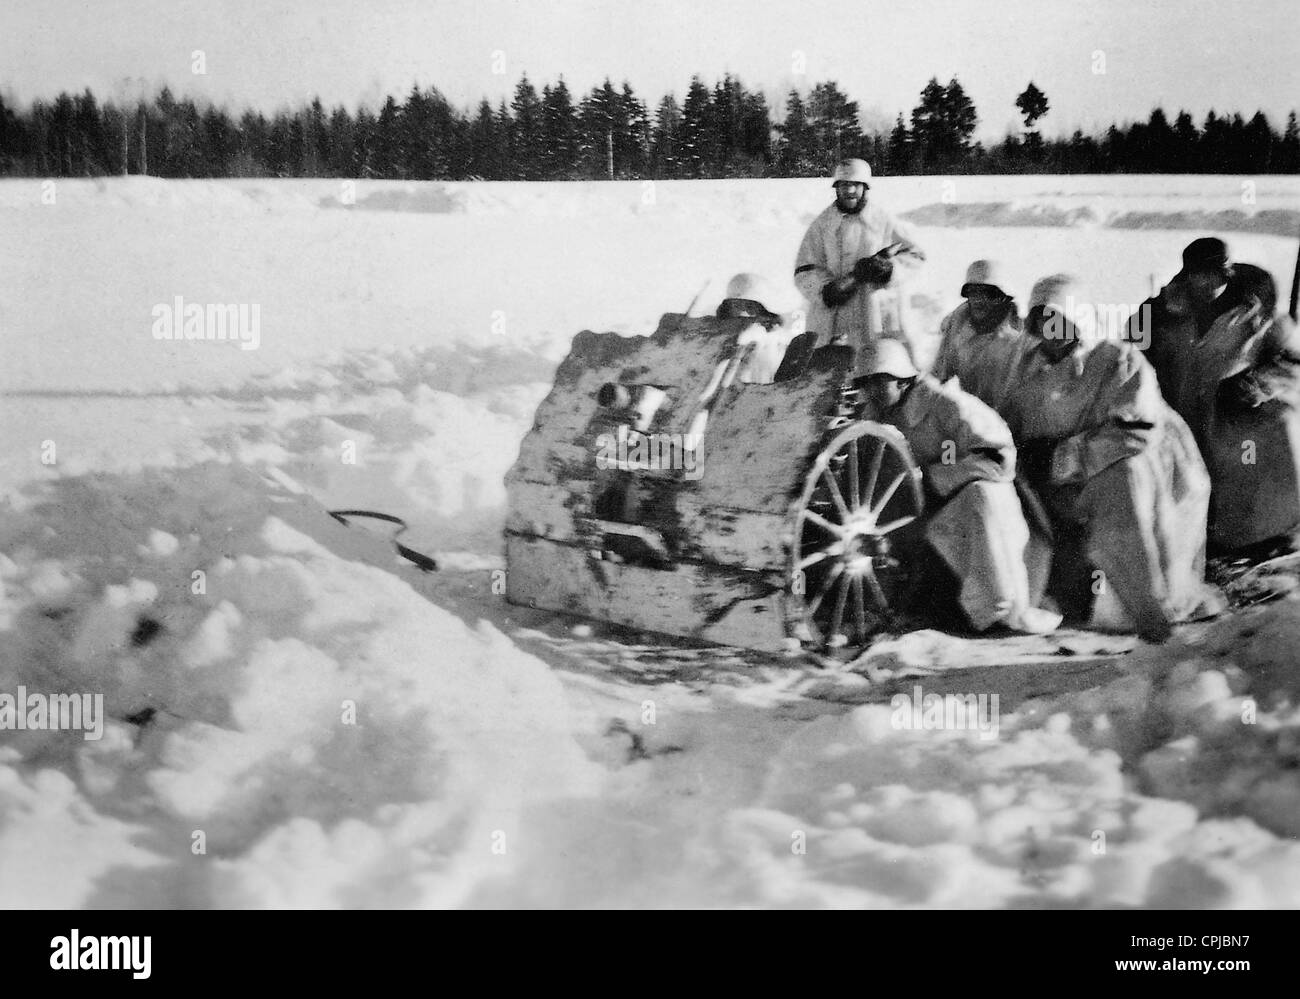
[833,244]
[974,520]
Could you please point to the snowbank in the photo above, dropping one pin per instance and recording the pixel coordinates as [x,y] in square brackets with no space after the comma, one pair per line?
[267,699]
[733,804]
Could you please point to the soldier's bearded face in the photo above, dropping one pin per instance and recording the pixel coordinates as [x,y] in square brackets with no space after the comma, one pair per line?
[984,302]
[850,196]
[1058,334]
[1206,286]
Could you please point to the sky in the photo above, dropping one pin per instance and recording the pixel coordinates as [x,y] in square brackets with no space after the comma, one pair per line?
[1098,61]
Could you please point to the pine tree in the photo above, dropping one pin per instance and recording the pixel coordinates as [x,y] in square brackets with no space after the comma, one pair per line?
[1184,152]
[486,161]
[631,134]
[834,120]
[695,130]
[1214,140]
[1260,143]
[365,133]
[756,134]
[311,157]
[340,155]
[219,143]
[187,155]
[961,116]
[597,117]
[1033,105]
[428,130]
[251,145]
[928,124]
[666,140]
[724,116]
[526,134]
[1288,159]
[900,148]
[505,126]
[10,151]
[1159,155]
[942,124]
[559,133]
[1082,153]
[795,155]
[389,156]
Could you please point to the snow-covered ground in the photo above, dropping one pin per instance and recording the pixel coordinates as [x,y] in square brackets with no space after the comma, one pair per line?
[296,718]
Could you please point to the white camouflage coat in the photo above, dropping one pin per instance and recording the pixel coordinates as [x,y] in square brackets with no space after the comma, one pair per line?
[1124,469]
[975,522]
[833,244]
[983,363]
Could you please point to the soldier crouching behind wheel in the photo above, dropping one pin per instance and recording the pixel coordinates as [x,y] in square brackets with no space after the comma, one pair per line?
[1115,467]
[974,520]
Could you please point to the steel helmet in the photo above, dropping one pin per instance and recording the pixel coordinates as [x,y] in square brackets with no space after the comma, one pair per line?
[752,286]
[854,170]
[1064,295]
[891,358]
[986,272]
[771,298]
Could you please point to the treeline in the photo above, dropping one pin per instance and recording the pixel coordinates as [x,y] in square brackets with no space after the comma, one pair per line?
[726,130]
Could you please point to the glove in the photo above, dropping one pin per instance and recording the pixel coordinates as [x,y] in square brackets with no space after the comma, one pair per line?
[1241,392]
[876,269]
[836,293]
[1034,458]
[1067,461]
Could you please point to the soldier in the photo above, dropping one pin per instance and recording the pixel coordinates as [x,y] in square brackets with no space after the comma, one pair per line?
[1182,314]
[1116,468]
[778,322]
[974,520]
[982,337]
[848,267]
[1230,365]
[1243,409]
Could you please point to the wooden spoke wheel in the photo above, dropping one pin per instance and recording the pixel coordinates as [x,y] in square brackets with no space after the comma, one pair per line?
[854,529]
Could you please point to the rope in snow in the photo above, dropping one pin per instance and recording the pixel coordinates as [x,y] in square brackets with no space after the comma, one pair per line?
[425,562]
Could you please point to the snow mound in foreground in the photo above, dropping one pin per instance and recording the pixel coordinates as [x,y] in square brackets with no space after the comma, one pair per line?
[287,728]
[296,727]
[1040,816]
[737,807]
[1227,712]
